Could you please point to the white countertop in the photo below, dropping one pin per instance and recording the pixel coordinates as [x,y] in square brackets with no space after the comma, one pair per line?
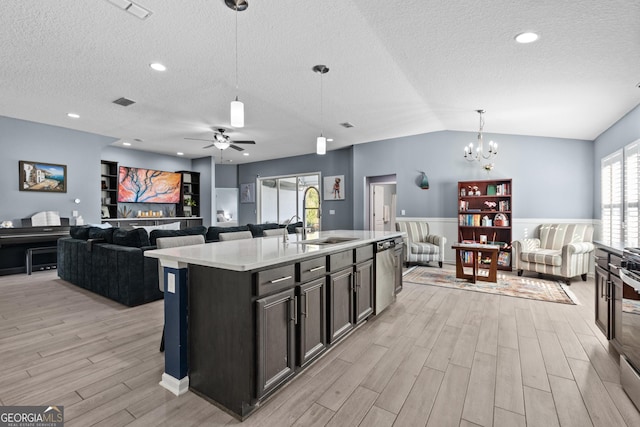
[251,254]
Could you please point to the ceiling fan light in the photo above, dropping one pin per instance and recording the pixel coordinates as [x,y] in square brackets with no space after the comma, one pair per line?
[222,145]
[321,145]
[237,114]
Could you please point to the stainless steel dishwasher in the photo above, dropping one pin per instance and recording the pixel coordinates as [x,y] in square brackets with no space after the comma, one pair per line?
[385,274]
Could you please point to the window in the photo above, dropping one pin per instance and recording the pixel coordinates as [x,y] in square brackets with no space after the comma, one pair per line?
[281,198]
[611,198]
[631,193]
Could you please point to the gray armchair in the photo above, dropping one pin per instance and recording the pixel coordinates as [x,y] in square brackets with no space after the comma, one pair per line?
[420,246]
[559,249]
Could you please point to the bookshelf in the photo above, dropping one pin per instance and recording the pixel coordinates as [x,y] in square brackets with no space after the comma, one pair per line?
[189,194]
[109,188]
[484,215]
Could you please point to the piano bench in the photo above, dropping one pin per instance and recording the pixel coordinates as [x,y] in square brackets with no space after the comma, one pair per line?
[35,251]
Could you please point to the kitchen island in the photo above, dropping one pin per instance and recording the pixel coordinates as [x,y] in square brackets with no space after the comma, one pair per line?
[261,310]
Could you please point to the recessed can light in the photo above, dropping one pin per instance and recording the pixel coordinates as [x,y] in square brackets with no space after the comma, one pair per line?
[179,153]
[73,115]
[329,139]
[245,154]
[157,66]
[126,144]
[526,37]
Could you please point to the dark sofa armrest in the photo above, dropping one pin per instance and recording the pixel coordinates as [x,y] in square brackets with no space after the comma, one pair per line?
[91,242]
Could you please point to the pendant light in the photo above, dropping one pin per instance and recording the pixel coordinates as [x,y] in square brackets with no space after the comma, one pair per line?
[321,141]
[237,107]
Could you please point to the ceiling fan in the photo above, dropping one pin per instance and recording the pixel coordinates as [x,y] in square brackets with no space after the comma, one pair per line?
[222,141]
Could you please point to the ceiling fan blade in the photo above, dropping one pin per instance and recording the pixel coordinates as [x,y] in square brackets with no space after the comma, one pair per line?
[235,147]
[200,139]
[208,146]
[244,142]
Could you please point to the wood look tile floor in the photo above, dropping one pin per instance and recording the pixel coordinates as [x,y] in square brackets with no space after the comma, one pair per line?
[437,357]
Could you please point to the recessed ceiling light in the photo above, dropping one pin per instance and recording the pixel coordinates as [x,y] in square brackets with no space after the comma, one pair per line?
[157,66]
[329,139]
[126,144]
[245,154]
[73,115]
[179,153]
[526,37]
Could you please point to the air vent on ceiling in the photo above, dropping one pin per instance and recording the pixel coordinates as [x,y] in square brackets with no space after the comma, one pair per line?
[131,7]
[346,125]
[124,102]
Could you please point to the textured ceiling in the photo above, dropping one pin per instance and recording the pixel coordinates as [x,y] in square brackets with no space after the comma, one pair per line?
[397,68]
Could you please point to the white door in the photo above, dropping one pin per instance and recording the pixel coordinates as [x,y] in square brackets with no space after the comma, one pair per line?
[377,208]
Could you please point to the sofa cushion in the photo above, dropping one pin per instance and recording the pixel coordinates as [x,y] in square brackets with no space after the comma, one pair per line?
[257,230]
[79,232]
[135,238]
[543,256]
[424,248]
[213,233]
[156,234]
[101,233]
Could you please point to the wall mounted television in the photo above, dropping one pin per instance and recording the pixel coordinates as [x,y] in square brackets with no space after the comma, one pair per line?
[137,185]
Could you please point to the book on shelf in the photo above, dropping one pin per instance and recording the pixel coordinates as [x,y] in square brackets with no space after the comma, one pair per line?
[504,258]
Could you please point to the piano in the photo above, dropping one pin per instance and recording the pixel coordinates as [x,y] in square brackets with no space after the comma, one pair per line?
[14,243]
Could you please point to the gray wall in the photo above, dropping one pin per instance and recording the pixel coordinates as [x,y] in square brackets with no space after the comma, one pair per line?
[337,162]
[145,159]
[552,177]
[227,176]
[621,133]
[79,151]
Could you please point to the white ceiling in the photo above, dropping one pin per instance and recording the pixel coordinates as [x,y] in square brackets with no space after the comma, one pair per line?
[397,68]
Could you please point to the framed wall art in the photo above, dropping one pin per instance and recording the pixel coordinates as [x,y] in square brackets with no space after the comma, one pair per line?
[248,193]
[39,176]
[334,187]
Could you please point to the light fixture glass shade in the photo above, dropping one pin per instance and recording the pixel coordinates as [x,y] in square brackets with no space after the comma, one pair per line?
[222,145]
[237,114]
[321,145]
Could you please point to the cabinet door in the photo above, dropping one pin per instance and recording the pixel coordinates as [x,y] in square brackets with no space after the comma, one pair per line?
[340,304]
[276,317]
[312,325]
[363,290]
[398,259]
[615,297]
[602,300]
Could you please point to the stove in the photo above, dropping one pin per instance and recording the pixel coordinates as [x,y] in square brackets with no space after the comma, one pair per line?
[630,339]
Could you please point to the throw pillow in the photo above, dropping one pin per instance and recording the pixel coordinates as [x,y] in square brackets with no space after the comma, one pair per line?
[79,232]
[101,233]
[150,228]
[135,238]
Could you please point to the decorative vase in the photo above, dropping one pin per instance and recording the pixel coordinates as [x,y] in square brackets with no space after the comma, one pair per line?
[424,184]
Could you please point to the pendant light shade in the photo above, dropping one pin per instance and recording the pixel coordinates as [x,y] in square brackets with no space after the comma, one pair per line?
[237,114]
[321,145]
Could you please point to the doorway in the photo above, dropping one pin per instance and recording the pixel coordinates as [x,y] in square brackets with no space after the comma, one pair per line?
[382,201]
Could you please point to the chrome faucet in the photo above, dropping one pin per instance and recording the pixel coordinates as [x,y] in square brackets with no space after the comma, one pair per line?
[285,236]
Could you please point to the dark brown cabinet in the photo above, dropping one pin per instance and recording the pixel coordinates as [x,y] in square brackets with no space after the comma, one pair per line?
[312,320]
[276,317]
[341,319]
[109,189]
[189,194]
[608,298]
[363,291]
[398,259]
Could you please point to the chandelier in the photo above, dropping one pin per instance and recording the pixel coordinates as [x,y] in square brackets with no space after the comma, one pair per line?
[478,154]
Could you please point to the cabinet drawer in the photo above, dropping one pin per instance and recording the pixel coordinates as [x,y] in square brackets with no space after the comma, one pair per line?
[602,258]
[364,253]
[615,260]
[275,279]
[311,269]
[340,260]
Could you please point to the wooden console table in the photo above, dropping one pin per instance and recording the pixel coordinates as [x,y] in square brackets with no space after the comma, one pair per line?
[476,249]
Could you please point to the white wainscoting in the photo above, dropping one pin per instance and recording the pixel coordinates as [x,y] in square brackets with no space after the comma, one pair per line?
[521,228]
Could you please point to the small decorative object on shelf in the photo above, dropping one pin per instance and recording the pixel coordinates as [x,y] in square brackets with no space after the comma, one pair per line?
[491,205]
[424,182]
[463,192]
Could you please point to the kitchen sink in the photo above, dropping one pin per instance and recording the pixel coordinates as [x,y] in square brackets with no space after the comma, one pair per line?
[326,241]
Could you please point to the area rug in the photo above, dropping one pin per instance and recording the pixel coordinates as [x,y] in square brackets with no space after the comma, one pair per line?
[513,286]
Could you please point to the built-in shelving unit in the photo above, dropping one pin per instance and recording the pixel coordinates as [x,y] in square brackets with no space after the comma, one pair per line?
[189,194]
[109,187]
[484,215]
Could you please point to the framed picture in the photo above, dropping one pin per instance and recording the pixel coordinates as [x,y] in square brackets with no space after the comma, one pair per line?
[248,193]
[37,176]
[334,187]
